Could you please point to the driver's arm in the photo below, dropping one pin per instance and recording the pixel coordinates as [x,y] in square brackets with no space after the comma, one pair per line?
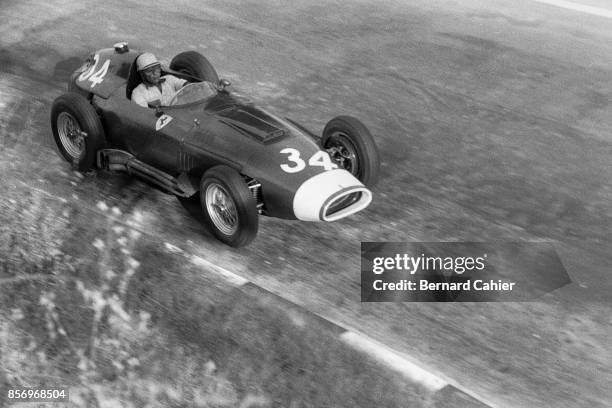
[176,83]
[139,99]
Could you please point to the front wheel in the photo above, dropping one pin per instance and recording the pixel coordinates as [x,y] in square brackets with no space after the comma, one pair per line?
[228,205]
[195,65]
[351,146]
[77,130]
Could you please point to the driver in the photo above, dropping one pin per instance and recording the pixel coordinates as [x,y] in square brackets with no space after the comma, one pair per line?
[155,90]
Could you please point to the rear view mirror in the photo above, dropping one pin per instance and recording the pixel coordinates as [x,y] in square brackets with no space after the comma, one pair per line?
[223,84]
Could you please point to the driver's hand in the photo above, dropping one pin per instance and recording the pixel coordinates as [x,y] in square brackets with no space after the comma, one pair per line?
[154,104]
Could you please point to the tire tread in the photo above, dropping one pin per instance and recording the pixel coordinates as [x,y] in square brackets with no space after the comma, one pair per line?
[243,199]
[364,142]
[195,64]
[79,107]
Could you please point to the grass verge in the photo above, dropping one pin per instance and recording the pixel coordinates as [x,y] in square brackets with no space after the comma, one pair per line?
[92,302]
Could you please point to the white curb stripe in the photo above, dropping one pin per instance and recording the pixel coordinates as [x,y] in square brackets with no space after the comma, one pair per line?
[40,190]
[395,361]
[570,5]
[173,248]
[230,277]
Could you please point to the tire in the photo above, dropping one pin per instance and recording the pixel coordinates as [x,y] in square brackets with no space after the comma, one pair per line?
[228,206]
[77,130]
[196,65]
[351,146]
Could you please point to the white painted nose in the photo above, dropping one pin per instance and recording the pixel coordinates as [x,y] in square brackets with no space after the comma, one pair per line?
[330,196]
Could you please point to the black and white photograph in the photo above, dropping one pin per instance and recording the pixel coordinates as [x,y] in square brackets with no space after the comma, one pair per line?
[308,204]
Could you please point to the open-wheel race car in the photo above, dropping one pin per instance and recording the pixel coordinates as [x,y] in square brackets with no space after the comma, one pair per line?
[242,160]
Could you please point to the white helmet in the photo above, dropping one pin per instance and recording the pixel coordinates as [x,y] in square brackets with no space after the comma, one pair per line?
[146,60]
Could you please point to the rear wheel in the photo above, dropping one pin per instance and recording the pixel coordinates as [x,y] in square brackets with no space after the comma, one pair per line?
[196,65]
[351,146]
[77,130]
[228,206]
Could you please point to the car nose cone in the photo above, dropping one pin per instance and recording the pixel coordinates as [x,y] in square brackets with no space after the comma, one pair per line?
[330,196]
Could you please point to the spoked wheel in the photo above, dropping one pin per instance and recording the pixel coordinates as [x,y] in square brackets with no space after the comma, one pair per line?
[77,130]
[351,147]
[220,206]
[343,151]
[228,205]
[72,137]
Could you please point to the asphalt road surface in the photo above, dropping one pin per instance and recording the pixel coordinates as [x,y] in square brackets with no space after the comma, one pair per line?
[493,121]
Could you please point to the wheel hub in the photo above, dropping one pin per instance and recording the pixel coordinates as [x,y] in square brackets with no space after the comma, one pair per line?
[72,137]
[221,209]
[343,152]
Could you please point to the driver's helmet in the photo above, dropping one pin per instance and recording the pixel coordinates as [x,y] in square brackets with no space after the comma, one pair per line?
[146,61]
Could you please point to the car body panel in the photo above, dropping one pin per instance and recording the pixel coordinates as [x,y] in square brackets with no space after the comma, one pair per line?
[110,66]
[223,129]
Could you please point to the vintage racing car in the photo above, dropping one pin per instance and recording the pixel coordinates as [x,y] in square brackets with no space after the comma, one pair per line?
[242,160]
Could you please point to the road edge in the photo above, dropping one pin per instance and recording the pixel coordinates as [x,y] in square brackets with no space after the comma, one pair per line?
[445,393]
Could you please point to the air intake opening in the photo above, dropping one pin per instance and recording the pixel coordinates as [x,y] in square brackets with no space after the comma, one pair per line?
[346,203]
[342,203]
